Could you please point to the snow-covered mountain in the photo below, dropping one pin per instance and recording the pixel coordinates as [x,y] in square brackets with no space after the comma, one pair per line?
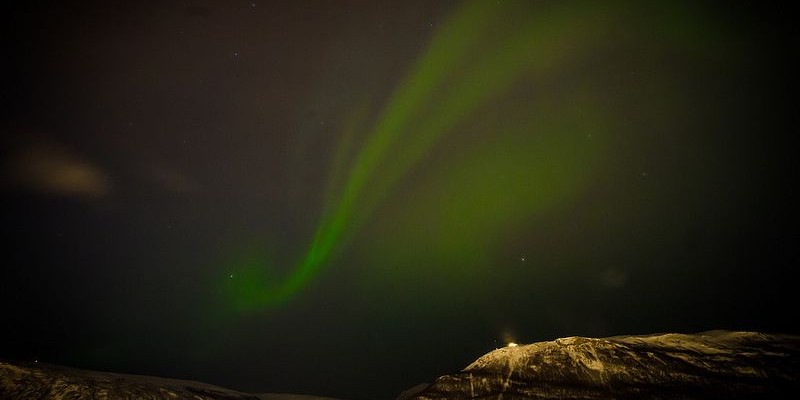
[709,365]
[24,381]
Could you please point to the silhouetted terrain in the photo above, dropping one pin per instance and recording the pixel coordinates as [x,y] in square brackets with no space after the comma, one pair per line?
[43,381]
[709,365]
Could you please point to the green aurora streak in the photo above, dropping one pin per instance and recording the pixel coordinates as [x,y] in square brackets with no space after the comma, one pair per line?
[538,154]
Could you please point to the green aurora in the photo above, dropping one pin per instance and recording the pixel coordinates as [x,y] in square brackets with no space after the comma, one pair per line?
[540,153]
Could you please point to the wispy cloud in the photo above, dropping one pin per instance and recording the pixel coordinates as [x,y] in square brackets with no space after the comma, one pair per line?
[53,169]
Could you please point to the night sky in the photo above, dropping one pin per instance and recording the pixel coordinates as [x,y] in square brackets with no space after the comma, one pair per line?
[350,198]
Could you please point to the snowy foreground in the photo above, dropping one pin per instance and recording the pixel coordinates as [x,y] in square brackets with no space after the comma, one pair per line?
[709,365]
[43,381]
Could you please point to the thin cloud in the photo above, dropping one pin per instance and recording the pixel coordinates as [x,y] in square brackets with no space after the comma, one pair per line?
[53,169]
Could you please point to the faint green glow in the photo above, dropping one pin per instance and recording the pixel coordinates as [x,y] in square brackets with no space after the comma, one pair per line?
[428,104]
[529,162]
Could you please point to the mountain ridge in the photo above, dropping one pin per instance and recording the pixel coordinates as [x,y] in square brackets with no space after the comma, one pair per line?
[706,365]
[37,380]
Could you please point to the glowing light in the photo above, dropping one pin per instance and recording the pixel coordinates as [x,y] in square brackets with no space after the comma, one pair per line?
[427,105]
[512,344]
[537,158]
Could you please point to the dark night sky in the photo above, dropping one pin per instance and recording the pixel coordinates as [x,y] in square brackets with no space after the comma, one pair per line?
[622,168]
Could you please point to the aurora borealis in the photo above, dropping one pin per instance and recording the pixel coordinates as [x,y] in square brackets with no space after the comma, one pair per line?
[432,101]
[344,198]
[428,104]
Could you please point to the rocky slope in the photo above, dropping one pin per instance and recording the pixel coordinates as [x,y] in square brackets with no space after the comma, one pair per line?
[709,365]
[41,381]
